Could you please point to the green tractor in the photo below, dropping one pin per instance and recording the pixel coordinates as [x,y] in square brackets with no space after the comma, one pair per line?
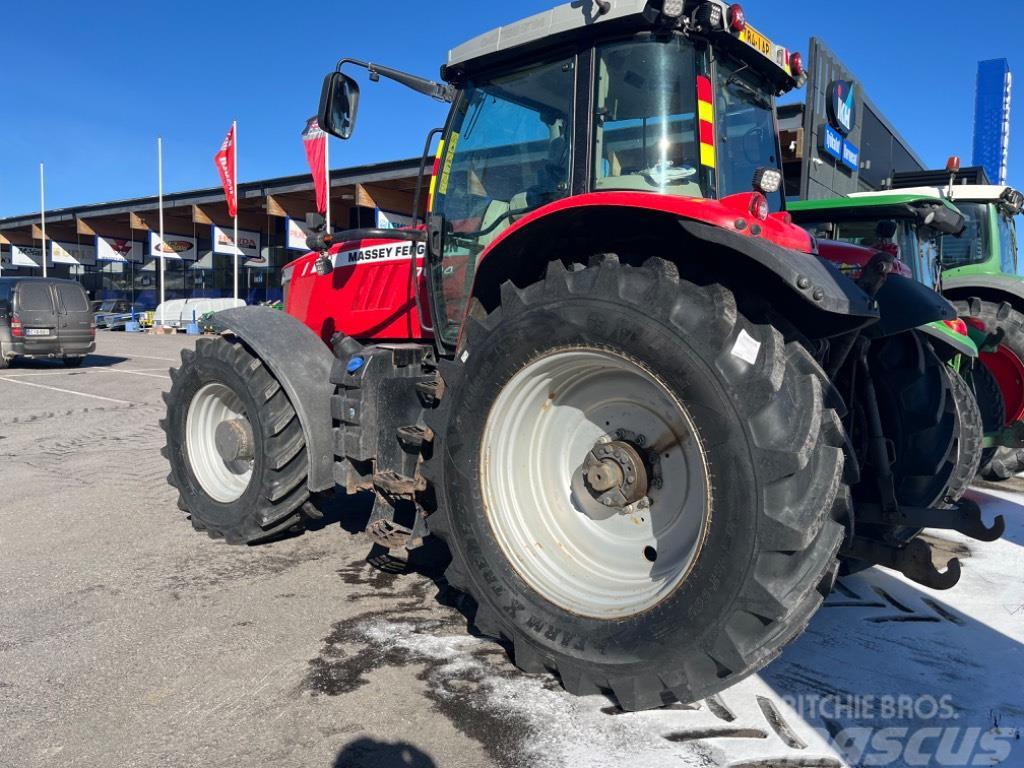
[980,272]
[929,233]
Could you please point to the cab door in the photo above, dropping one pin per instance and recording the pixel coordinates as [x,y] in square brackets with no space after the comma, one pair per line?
[37,311]
[74,318]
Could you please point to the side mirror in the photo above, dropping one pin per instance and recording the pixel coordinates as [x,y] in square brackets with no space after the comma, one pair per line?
[339,102]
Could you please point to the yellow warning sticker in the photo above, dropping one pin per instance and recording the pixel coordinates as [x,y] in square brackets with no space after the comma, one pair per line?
[446,172]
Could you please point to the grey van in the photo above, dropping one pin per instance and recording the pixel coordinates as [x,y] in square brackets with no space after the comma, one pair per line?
[45,317]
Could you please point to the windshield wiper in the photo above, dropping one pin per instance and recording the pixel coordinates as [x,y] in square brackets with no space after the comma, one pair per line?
[754,96]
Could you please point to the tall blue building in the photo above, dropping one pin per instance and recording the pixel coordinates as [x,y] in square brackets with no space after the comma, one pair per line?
[992,118]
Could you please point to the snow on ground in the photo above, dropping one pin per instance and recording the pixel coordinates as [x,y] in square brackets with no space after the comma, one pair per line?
[889,673]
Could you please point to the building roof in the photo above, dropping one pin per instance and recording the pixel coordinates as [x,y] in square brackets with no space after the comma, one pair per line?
[364,174]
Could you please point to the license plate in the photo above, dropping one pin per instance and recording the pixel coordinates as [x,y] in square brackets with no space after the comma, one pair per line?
[755,39]
[37,331]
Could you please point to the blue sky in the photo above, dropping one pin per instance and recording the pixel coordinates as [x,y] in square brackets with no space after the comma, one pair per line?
[87,87]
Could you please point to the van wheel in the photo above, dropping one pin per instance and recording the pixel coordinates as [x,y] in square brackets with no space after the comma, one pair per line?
[73,362]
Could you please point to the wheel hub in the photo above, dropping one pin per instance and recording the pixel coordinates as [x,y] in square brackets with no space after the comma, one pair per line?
[615,474]
[234,440]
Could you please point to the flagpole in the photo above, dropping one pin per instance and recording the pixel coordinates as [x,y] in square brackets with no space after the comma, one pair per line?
[42,213]
[327,175]
[234,173]
[160,192]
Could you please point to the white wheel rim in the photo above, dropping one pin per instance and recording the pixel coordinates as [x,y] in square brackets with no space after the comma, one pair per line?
[540,429]
[224,481]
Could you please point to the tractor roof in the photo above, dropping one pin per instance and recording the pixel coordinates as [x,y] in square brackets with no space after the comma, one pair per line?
[559,20]
[965,192]
[566,23]
[925,207]
[898,200]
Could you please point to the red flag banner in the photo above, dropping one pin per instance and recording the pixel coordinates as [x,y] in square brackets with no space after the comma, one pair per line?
[225,161]
[315,140]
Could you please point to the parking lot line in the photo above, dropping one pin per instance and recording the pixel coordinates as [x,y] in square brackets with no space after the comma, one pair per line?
[66,391]
[80,371]
[135,373]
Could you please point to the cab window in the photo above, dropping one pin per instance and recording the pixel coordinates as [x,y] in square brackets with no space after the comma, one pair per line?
[745,121]
[645,127]
[1008,260]
[507,153]
[972,247]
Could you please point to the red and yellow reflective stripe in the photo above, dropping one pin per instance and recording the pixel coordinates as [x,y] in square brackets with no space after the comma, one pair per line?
[706,122]
[434,176]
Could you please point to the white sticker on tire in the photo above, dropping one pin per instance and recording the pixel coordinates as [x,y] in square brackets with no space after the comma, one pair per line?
[465,356]
[746,348]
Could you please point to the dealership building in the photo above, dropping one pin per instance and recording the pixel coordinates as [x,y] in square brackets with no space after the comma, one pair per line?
[838,141]
[114,249]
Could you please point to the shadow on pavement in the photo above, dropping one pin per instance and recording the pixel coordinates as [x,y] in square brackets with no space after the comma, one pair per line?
[895,674]
[91,361]
[369,753]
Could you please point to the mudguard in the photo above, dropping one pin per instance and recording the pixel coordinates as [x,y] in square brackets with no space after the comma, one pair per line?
[940,333]
[302,364]
[818,282]
[905,304]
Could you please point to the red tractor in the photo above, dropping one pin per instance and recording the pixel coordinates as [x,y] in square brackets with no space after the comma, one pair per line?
[604,368]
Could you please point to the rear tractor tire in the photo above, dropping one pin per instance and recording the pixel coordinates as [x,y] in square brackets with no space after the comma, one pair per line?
[641,489]
[1006,365]
[235,445]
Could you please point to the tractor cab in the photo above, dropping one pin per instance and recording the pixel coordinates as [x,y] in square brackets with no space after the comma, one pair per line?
[659,97]
[909,226]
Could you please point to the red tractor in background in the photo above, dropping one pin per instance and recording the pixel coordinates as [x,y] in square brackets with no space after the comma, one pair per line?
[607,371]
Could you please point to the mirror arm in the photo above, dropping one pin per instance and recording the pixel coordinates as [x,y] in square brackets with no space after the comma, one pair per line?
[440,91]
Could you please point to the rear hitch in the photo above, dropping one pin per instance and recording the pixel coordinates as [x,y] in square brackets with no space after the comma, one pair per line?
[914,559]
[964,517]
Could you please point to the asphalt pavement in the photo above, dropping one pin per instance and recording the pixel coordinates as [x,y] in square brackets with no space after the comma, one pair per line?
[128,639]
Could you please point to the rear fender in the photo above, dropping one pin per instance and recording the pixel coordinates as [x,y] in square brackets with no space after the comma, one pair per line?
[905,304]
[812,294]
[941,335]
[302,364]
[995,288]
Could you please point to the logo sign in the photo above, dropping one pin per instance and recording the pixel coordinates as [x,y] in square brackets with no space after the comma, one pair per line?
[832,142]
[851,156]
[118,249]
[376,254]
[248,244]
[297,234]
[72,253]
[841,106]
[26,256]
[173,246]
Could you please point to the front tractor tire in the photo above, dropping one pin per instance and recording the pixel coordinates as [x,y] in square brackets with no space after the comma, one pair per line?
[641,489]
[235,445]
